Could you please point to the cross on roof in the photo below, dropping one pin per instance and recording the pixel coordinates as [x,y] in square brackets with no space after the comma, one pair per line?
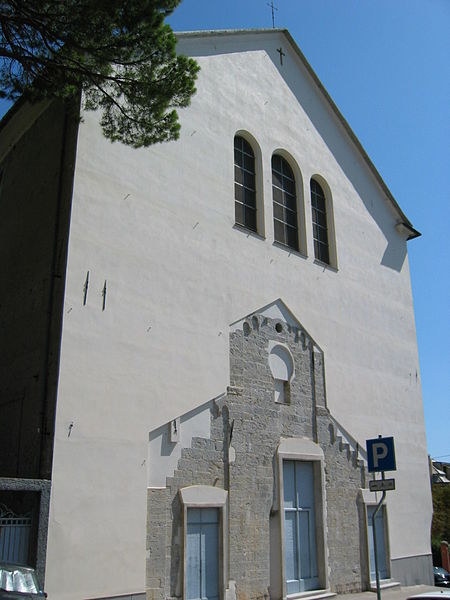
[273,7]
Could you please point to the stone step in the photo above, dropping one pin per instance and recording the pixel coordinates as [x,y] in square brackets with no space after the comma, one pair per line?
[385,584]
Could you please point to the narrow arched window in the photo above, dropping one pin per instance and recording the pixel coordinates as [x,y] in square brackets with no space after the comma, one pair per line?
[319,222]
[284,203]
[244,184]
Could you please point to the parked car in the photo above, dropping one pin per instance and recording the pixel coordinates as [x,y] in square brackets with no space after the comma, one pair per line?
[441,577]
[437,595]
[19,583]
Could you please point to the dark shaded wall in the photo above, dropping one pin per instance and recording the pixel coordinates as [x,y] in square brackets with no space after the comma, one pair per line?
[35,197]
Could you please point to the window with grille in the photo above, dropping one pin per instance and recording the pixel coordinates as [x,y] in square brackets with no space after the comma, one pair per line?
[319,222]
[15,531]
[284,203]
[244,184]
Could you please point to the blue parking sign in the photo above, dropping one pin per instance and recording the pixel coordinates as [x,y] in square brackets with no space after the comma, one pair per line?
[381,454]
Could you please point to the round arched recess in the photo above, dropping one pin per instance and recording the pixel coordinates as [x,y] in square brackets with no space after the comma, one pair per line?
[299,192]
[248,137]
[281,365]
[330,217]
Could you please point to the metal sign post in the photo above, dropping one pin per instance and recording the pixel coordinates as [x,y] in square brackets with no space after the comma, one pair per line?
[380,458]
[374,530]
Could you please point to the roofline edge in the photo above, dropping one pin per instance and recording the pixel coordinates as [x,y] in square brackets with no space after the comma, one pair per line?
[341,118]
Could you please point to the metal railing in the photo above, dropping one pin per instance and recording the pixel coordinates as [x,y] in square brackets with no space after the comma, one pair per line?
[15,533]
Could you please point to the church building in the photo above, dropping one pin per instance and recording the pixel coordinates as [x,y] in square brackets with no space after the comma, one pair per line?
[197,340]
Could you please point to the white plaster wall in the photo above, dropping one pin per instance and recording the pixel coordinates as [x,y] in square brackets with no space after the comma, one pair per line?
[163,454]
[157,224]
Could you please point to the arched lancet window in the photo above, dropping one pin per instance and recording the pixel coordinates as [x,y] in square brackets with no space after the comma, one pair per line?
[284,203]
[244,184]
[319,222]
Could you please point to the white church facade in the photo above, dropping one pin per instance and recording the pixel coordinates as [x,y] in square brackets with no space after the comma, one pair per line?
[200,336]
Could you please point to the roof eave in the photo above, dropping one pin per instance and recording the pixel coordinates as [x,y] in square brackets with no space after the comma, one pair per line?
[404,219]
[407,230]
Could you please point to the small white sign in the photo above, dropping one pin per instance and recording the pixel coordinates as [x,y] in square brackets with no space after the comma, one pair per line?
[381,485]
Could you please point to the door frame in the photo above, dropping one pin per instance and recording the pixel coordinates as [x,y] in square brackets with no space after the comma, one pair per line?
[369,499]
[381,515]
[205,496]
[304,450]
[306,546]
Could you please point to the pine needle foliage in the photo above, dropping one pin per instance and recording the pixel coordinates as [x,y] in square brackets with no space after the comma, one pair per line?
[119,52]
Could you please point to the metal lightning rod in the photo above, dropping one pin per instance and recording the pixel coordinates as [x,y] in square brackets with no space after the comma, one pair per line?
[273,7]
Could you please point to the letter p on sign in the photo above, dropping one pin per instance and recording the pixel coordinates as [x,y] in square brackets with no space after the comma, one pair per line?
[381,454]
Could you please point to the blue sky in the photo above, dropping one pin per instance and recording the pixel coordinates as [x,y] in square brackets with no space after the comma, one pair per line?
[385,64]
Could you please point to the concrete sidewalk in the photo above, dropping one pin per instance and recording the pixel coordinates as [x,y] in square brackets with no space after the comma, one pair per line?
[396,593]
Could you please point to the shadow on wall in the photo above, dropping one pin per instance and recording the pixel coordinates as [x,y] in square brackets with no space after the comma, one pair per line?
[167,445]
[350,160]
[394,255]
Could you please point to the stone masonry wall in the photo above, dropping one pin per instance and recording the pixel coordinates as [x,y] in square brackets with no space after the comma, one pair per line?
[252,423]
[259,423]
[344,476]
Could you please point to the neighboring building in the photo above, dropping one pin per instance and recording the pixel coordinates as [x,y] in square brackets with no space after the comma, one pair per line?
[440,471]
[198,338]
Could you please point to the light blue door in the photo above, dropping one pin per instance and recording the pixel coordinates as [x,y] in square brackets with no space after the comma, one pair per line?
[202,554]
[381,543]
[300,553]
